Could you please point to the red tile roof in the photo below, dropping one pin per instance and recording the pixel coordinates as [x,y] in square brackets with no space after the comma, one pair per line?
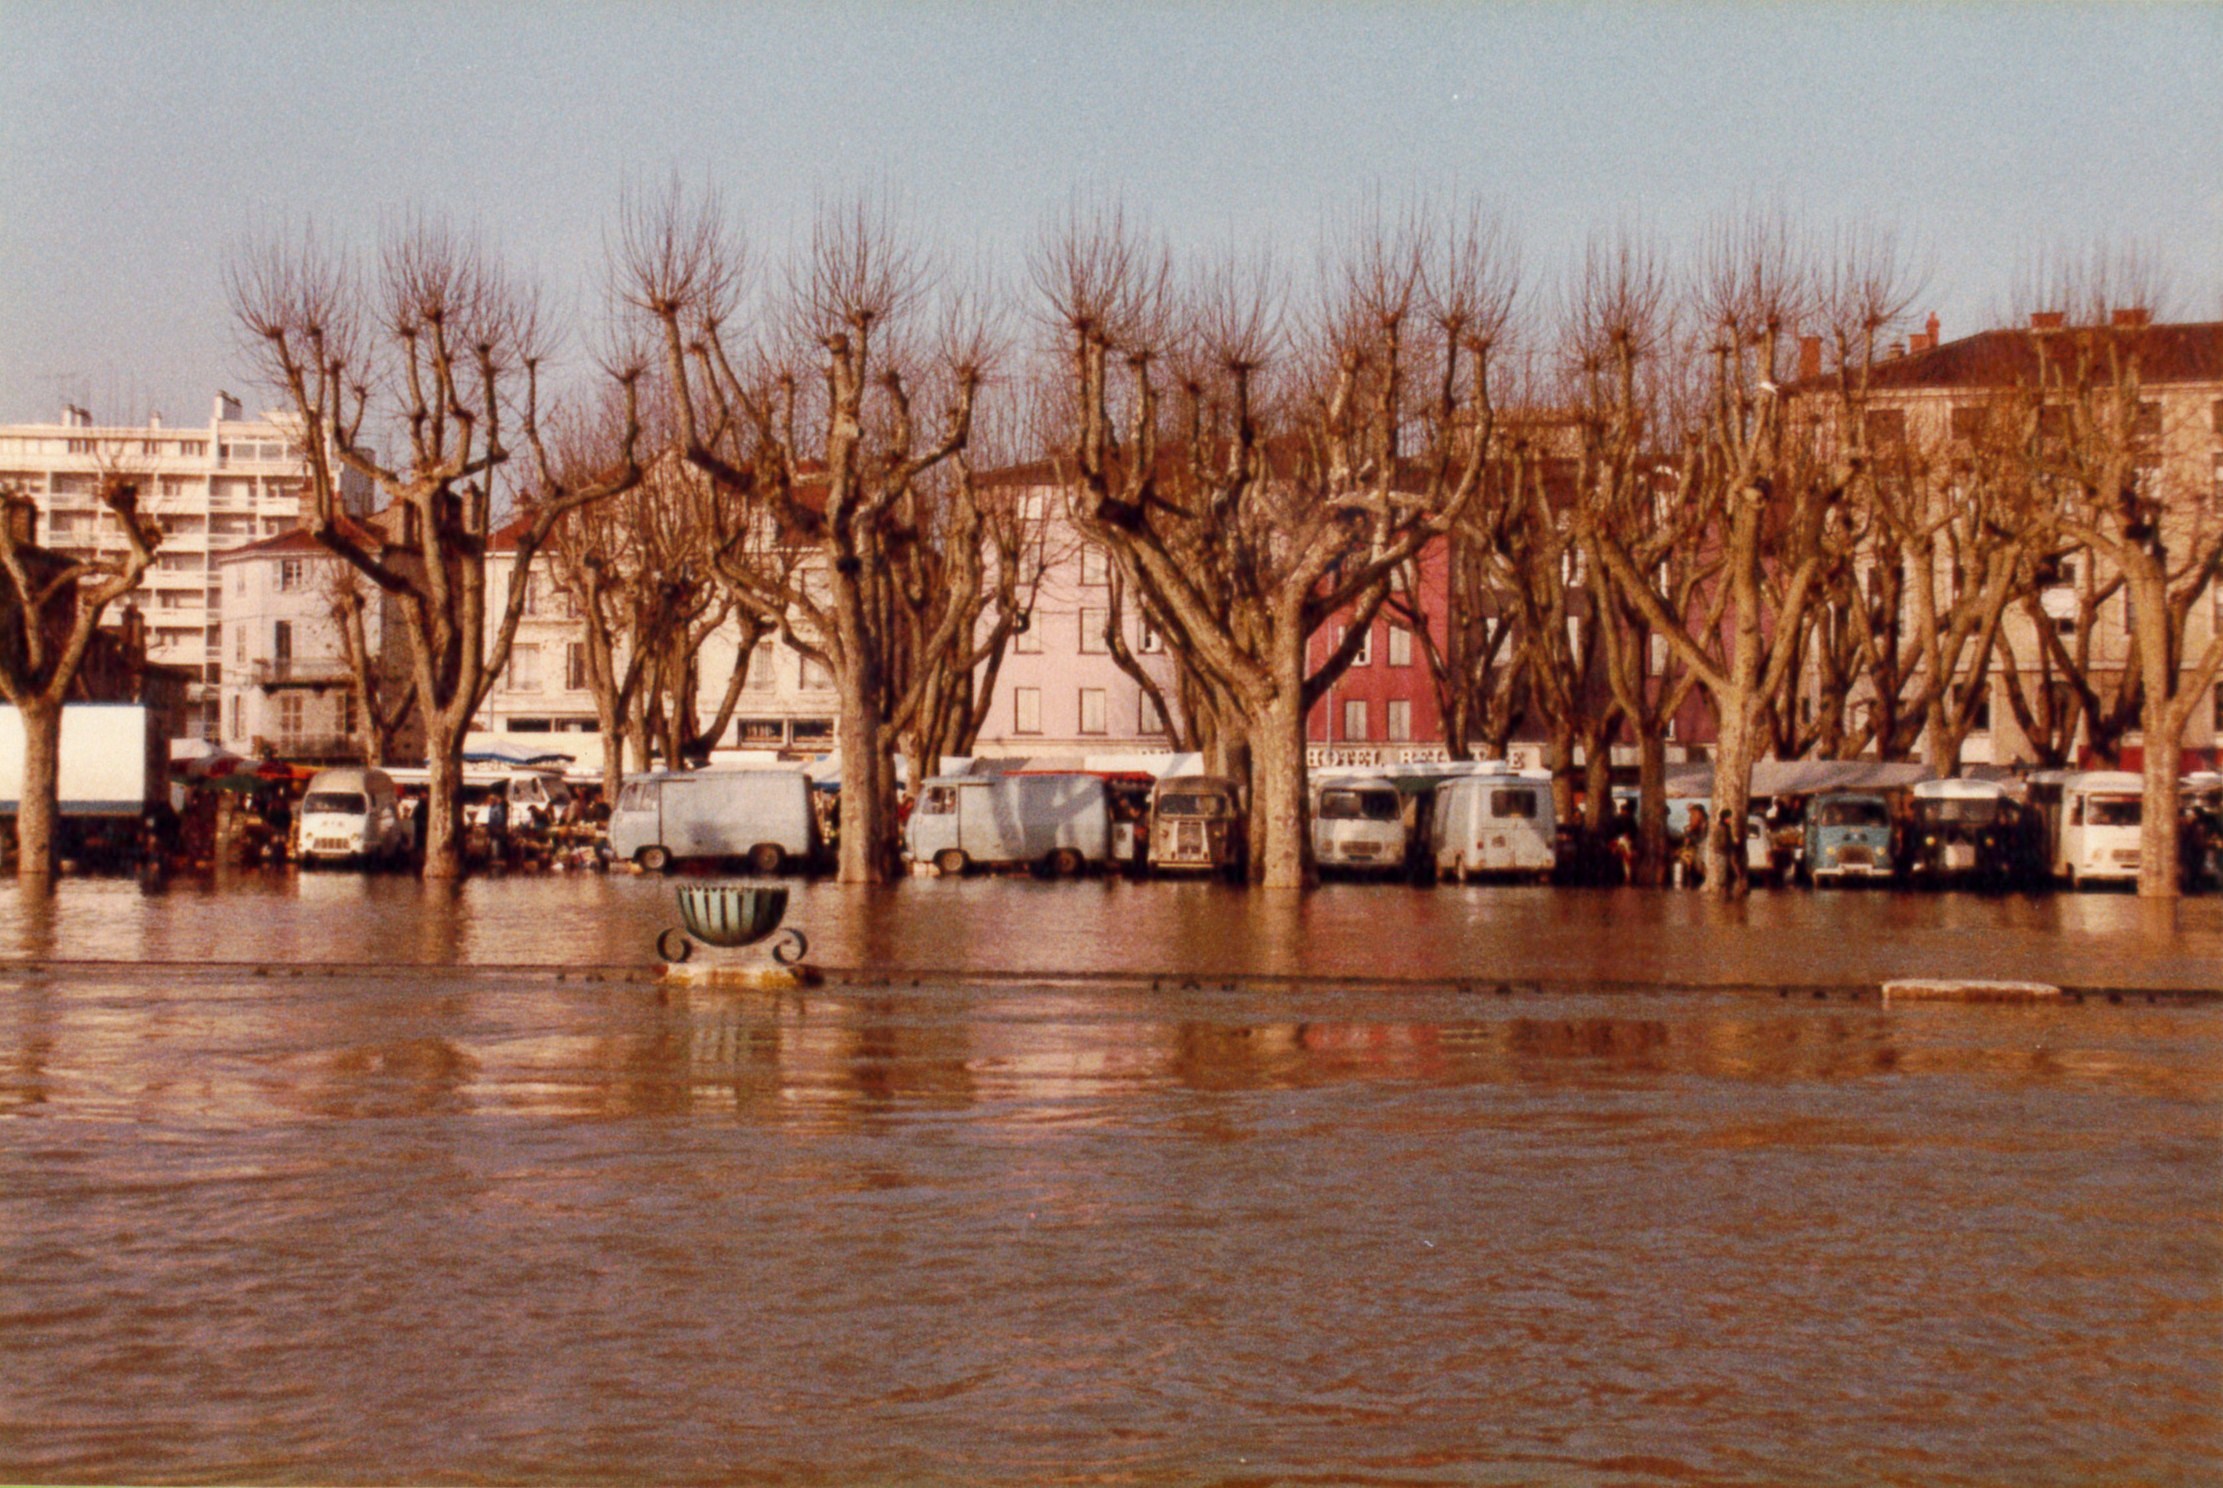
[2010,358]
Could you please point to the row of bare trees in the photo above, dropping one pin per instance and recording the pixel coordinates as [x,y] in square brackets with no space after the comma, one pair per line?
[1636,489]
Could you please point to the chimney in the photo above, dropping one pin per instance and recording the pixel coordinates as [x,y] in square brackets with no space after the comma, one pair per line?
[1926,338]
[1896,350]
[74,417]
[1809,357]
[2047,320]
[2132,317]
[154,420]
[227,408]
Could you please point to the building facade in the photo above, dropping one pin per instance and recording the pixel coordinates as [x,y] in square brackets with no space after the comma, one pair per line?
[213,487]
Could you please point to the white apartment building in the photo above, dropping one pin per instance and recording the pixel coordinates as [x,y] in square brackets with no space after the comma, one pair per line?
[213,487]
[284,682]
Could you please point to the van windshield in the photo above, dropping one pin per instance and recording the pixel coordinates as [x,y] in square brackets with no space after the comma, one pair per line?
[1851,814]
[332,803]
[1183,803]
[2114,811]
[1974,810]
[1353,805]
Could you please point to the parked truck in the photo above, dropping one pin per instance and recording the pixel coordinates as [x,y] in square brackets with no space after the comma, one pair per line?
[1057,822]
[761,816]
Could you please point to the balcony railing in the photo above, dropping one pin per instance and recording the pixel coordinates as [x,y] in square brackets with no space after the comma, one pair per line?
[302,671]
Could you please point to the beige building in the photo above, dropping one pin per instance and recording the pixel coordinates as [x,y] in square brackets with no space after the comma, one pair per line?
[213,487]
[1936,411]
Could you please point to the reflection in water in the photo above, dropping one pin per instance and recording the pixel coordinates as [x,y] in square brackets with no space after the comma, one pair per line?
[1183,930]
[493,1227]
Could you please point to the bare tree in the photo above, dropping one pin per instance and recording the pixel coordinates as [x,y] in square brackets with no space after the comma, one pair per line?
[1300,470]
[1756,501]
[52,611]
[384,700]
[830,451]
[449,354]
[2098,450]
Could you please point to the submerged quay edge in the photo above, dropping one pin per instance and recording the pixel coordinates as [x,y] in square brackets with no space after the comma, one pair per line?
[1148,979]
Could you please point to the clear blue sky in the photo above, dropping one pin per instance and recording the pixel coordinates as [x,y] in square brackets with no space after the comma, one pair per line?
[138,143]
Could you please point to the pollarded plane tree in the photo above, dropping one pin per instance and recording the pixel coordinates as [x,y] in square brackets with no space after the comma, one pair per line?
[814,427]
[2111,478]
[1297,469]
[1758,504]
[1942,538]
[53,607]
[384,700]
[1615,335]
[440,351]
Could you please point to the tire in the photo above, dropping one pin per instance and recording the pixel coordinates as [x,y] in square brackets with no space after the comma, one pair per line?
[949,862]
[766,859]
[1065,863]
[654,859]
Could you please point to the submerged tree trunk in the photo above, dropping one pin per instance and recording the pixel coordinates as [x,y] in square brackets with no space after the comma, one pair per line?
[36,806]
[1733,756]
[1278,804]
[2162,806]
[442,810]
[1651,809]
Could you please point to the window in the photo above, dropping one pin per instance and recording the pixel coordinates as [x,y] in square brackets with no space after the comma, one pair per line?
[1514,805]
[2216,415]
[817,677]
[1026,708]
[1030,506]
[1149,720]
[1092,631]
[532,596]
[1026,640]
[350,715]
[2145,422]
[1968,422]
[1092,710]
[239,646]
[238,722]
[1887,427]
[1153,643]
[524,669]
[1400,720]
[2219,707]
[289,575]
[1400,646]
[1095,566]
[760,733]
[281,641]
[575,667]
[760,666]
[1364,656]
[1354,719]
[292,708]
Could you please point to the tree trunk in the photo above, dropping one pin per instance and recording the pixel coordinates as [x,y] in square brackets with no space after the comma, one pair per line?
[2162,806]
[1725,871]
[442,812]
[1277,804]
[1651,808]
[863,818]
[36,806]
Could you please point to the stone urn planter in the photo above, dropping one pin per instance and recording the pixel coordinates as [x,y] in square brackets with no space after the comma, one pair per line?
[731,916]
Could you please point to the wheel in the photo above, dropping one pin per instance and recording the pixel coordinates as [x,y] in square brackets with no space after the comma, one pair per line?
[767,858]
[654,859]
[1065,862]
[949,862]
[674,946]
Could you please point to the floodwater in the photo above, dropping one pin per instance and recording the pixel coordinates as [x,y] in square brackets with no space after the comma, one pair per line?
[440,1224]
[1016,926]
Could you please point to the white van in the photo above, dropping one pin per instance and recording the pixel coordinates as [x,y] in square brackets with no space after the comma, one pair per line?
[525,790]
[2095,834]
[1060,822]
[1499,823]
[352,814]
[1358,822]
[764,816]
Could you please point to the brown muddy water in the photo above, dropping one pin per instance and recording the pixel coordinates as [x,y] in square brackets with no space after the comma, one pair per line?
[459,1225]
